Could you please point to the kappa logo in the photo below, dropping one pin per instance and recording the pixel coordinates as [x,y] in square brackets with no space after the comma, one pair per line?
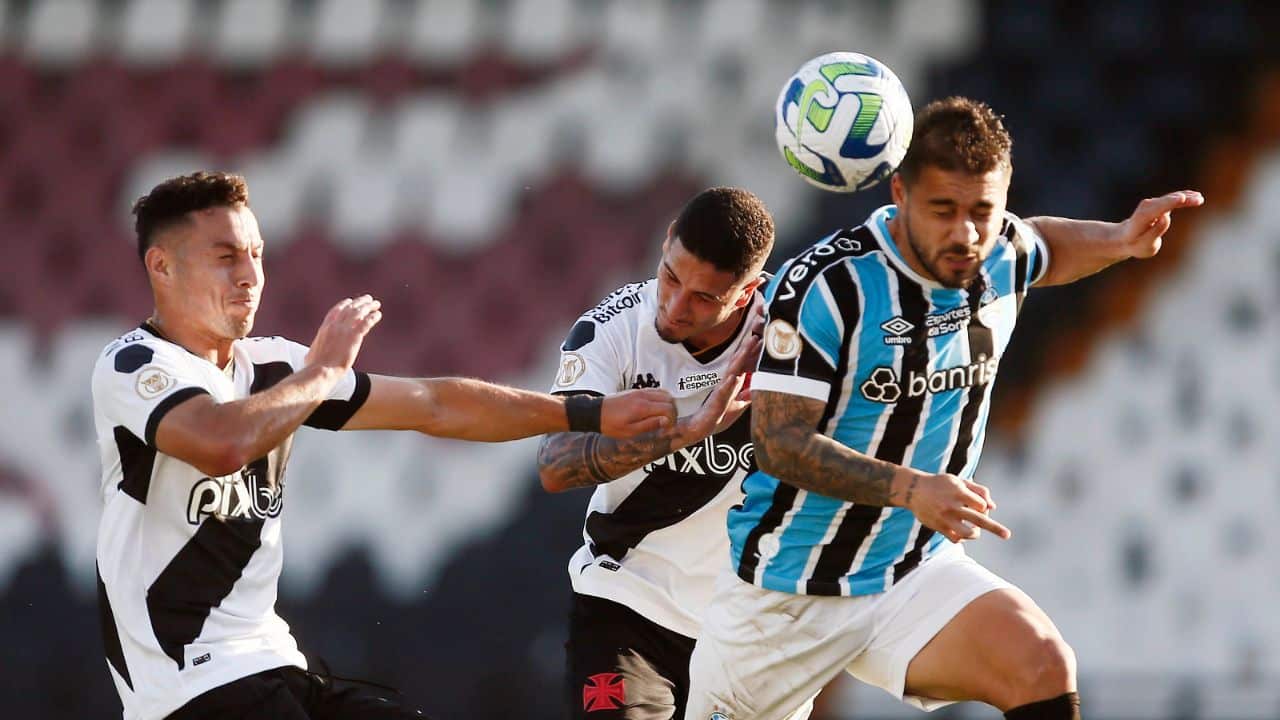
[645,380]
[781,340]
[572,365]
[152,382]
[897,329]
[604,691]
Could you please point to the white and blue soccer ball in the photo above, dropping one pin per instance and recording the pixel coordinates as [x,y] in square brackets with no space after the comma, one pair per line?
[844,121]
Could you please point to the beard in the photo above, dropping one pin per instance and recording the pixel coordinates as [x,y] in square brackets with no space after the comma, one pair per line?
[933,263]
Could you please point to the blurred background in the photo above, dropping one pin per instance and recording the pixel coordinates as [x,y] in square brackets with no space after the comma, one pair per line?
[492,168]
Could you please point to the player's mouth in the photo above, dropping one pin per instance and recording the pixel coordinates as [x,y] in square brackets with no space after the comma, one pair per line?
[959,263]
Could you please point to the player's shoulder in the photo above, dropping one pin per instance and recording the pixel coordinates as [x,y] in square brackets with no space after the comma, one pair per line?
[618,315]
[797,276]
[133,350]
[1019,234]
[628,301]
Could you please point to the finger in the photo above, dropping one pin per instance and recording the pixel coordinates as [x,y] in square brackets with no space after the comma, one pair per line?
[985,522]
[649,424]
[983,492]
[971,499]
[371,319]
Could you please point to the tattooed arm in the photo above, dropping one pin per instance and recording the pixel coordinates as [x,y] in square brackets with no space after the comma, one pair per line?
[789,447]
[572,460]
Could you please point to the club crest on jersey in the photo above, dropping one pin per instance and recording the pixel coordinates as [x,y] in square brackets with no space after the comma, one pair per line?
[781,340]
[247,495]
[152,382]
[572,365]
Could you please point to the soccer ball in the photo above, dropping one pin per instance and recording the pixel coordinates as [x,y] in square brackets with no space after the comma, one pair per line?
[844,121]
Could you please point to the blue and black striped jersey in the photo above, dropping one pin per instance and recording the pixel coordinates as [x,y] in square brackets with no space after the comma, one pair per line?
[905,367]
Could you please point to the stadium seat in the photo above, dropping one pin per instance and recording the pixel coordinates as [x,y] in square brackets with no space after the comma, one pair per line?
[344,33]
[539,31]
[249,33]
[61,32]
[443,32]
[152,32]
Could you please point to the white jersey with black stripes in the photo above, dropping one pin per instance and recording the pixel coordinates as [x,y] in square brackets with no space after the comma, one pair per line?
[188,565]
[654,539]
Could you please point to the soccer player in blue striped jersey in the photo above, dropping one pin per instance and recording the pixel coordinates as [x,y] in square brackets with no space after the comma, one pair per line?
[870,406]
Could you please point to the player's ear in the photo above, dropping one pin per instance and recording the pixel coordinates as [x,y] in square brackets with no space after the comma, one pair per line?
[898,189]
[157,262]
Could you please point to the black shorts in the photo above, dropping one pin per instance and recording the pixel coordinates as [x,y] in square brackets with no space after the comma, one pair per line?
[291,693]
[617,660]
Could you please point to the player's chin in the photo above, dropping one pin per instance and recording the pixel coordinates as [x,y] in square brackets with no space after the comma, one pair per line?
[670,334]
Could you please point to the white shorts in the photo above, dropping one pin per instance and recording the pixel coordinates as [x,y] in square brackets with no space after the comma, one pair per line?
[761,653]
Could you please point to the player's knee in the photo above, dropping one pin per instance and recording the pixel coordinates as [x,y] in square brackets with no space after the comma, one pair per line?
[1047,670]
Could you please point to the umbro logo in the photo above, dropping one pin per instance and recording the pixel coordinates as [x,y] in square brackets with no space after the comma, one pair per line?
[896,329]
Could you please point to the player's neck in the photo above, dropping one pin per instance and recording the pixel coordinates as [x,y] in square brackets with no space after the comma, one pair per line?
[717,335]
[194,340]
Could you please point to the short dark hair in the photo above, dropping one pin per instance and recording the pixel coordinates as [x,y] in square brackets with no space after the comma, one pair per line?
[169,202]
[957,133]
[727,227]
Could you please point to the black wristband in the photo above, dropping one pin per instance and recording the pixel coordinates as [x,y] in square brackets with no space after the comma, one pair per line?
[583,412]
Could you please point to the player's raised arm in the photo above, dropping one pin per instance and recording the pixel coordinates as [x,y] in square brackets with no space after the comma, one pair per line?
[220,438]
[469,409]
[789,447]
[1079,248]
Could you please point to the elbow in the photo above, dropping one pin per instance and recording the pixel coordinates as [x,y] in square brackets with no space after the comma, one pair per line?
[771,457]
[222,458]
[552,481]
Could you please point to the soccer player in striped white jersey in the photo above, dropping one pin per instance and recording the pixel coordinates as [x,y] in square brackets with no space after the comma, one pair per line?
[195,422]
[654,538]
[869,409]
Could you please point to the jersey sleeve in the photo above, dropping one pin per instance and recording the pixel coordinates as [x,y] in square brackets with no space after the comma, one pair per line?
[591,360]
[347,396]
[1029,243]
[802,334]
[137,382]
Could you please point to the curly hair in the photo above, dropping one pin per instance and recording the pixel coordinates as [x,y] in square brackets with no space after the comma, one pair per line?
[727,227]
[169,202]
[957,133]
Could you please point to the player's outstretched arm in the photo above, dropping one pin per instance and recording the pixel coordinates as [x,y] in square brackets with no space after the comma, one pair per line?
[789,447]
[469,409]
[1079,248]
[220,438]
[574,460]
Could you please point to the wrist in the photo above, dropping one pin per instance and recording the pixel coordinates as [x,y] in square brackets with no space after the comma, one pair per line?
[583,413]
[903,487]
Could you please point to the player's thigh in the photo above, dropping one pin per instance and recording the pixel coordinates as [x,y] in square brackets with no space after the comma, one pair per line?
[262,696]
[764,655]
[620,664]
[1001,649]
[328,698]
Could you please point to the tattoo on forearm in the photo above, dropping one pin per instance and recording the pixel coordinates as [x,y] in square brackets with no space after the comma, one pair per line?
[587,459]
[788,447]
[591,458]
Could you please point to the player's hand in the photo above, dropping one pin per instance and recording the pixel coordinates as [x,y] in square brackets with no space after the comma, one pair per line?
[636,412]
[721,408]
[340,336]
[1142,233]
[953,506]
